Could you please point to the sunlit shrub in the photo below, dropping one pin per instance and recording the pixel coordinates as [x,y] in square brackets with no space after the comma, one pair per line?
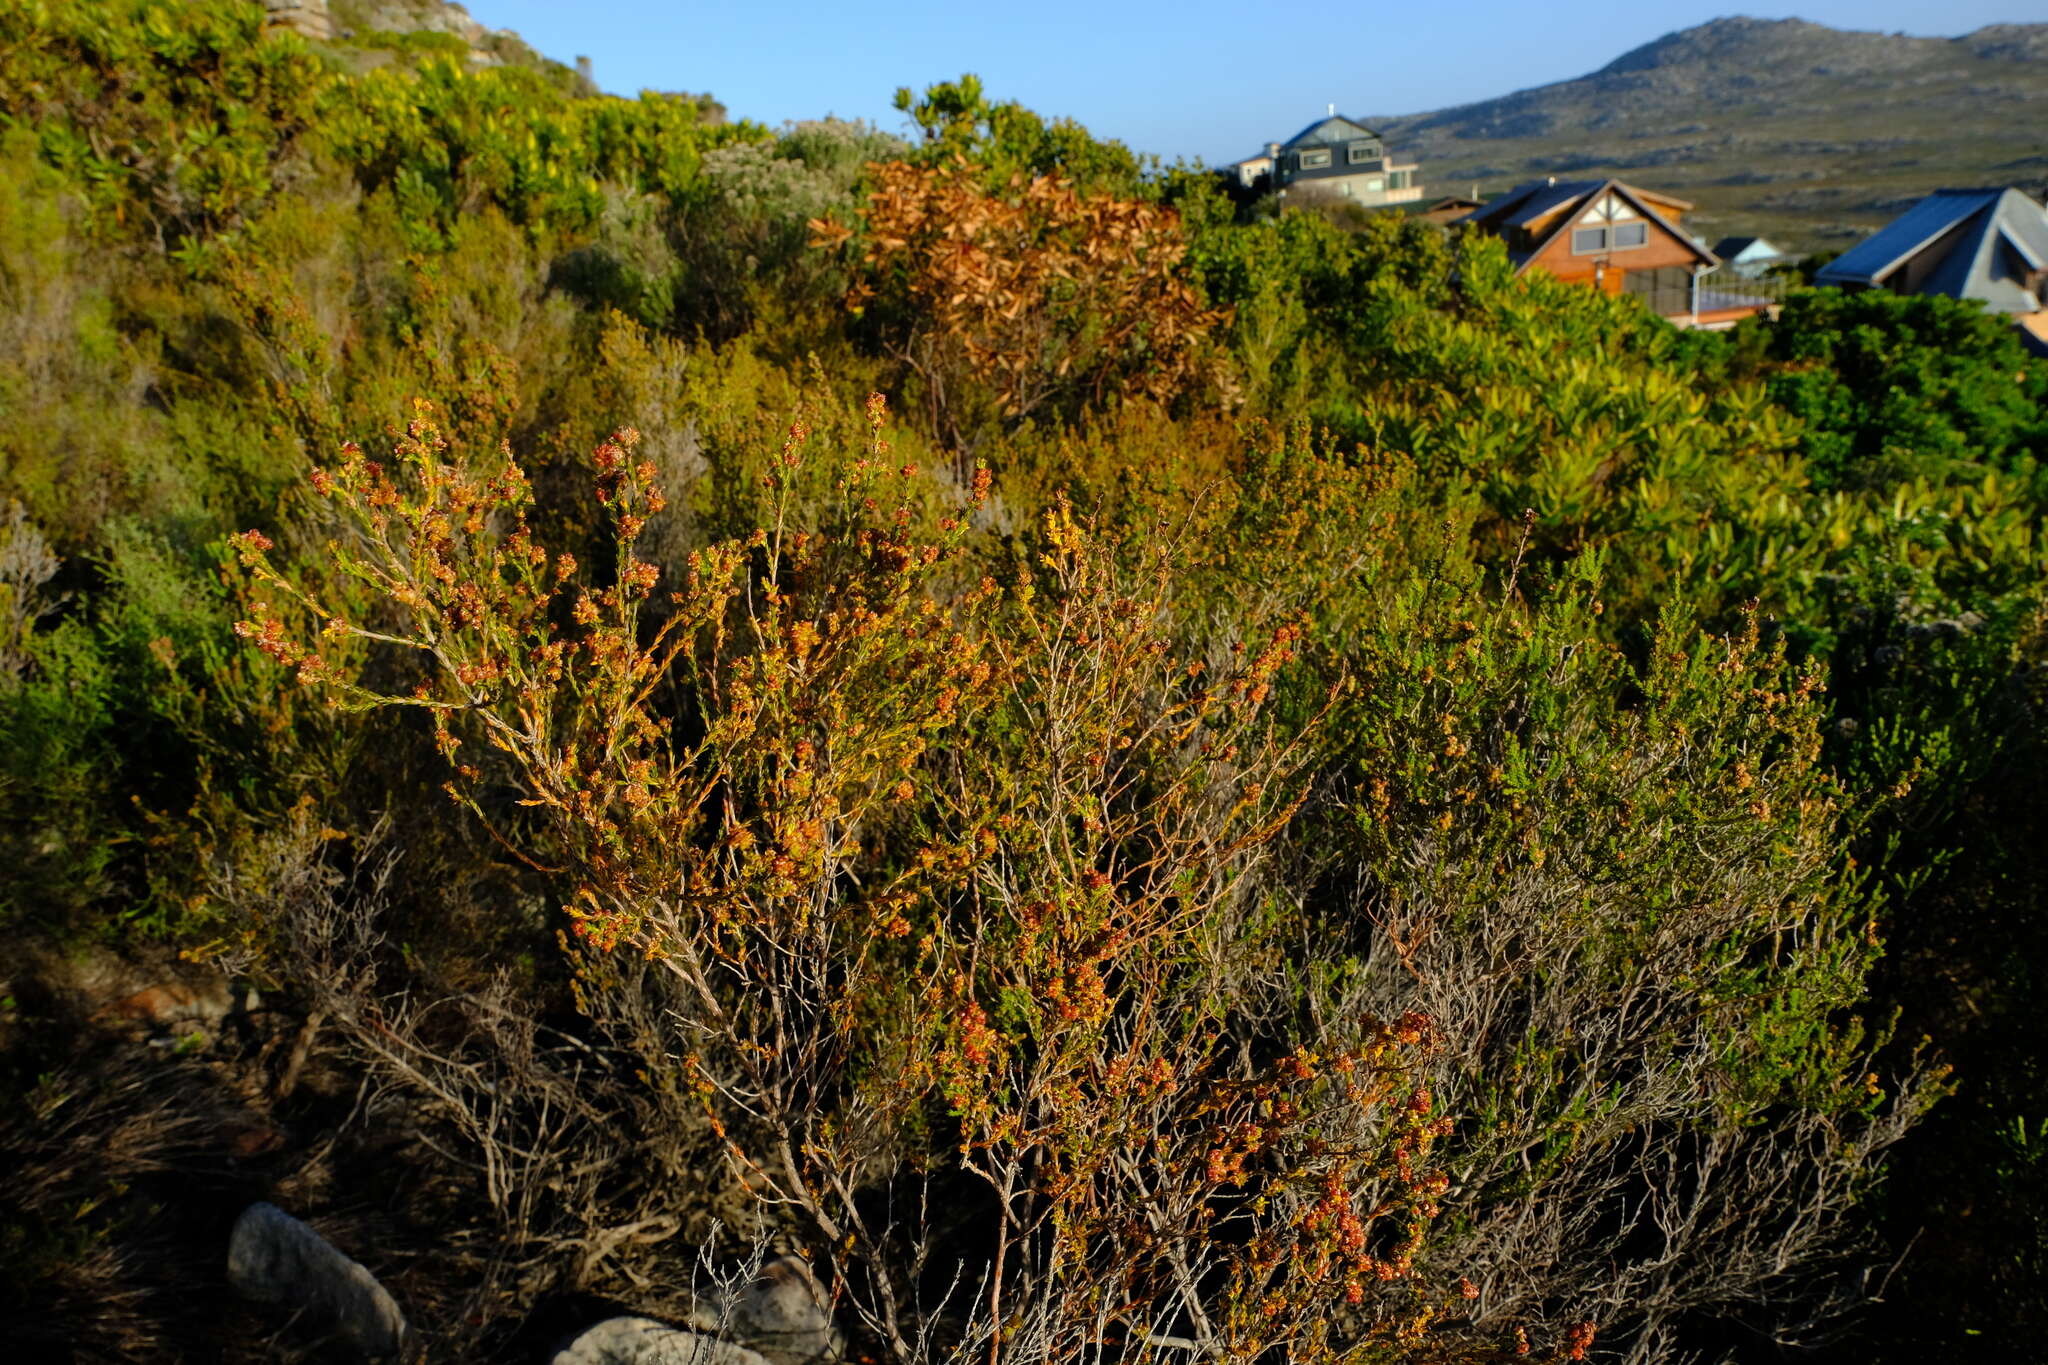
[1032,299]
[936,888]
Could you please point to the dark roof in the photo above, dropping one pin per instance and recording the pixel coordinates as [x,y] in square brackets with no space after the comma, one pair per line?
[1728,248]
[1332,128]
[1982,221]
[1528,204]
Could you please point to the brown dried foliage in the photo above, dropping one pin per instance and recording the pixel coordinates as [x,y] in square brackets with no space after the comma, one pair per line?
[1041,296]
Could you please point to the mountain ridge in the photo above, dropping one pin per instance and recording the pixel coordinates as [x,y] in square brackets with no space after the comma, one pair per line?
[1782,127]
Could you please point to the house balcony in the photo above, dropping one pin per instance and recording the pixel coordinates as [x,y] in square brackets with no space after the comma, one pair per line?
[1718,301]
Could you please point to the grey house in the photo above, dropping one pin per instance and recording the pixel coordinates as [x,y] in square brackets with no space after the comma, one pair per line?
[1335,158]
[1989,245]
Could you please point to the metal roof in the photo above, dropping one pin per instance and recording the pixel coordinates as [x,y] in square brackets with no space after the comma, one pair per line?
[1977,225]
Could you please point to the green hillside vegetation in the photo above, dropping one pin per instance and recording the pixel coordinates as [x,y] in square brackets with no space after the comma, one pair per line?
[1808,135]
[1108,775]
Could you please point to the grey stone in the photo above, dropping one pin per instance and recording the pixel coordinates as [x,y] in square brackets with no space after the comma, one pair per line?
[783,1313]
[643,1341]
[274,1258]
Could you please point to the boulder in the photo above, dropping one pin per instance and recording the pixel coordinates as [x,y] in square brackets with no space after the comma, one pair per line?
[643,1341]
[783,1313]
[308,18]
[274,1258]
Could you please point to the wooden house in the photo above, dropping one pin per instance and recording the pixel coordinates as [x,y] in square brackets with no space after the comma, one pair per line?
[1621,240]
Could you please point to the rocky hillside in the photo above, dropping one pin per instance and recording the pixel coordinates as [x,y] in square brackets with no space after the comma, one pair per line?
[1808,134]
[370,33]
[363,23]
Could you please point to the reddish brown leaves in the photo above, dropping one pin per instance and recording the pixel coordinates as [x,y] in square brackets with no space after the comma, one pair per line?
[1041,294]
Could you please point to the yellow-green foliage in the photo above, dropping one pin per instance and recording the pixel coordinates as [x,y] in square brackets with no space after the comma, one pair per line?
[1471,681]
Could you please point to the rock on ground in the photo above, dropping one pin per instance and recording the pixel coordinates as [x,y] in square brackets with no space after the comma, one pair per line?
[274,1258]
[147,994]
[643,1341]
[308,17]
[783,1313]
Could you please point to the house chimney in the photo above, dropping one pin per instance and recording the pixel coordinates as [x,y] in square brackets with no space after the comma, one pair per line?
[1550,180]
[1333,111]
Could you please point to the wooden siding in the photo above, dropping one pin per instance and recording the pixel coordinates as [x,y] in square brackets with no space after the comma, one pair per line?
[1661,250]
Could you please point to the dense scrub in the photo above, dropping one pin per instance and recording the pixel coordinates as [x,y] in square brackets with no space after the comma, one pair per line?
[1127,780]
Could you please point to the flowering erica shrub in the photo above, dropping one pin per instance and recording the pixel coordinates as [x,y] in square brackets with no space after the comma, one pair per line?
[947,889]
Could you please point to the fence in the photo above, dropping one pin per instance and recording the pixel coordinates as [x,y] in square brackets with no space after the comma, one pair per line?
[1672,297]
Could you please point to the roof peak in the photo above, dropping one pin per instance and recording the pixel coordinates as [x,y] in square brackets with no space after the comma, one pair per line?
[1971,221]
[1318,125]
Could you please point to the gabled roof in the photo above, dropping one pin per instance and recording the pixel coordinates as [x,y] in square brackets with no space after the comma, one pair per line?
[1535,200]
[1530,205]
[1531,202]
[1983,222]
[1732,248]
[1331,130]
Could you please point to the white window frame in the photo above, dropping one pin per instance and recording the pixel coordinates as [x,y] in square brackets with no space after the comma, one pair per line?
[1313,160]
[1363,151]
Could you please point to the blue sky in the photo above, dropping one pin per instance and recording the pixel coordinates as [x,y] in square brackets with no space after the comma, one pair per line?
[1195,78]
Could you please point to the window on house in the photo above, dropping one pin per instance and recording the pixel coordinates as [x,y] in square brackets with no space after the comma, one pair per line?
[1363,151]
[1398,180]
[1375,183]
[1587,239]
[1310,160]
[1630,234]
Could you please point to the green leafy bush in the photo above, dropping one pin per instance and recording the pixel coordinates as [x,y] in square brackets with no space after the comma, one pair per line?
[1630,739]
